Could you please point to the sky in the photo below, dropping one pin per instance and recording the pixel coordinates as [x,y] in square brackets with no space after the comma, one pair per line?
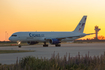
[50,15]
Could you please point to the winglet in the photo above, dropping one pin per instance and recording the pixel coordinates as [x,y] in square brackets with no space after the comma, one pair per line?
[81,25]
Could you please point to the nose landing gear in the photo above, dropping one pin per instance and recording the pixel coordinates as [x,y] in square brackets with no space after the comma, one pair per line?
[19,44]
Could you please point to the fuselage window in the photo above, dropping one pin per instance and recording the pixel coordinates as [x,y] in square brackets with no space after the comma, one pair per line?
[14,35]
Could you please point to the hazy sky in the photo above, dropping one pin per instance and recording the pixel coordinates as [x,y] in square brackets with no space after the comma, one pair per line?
[50,15]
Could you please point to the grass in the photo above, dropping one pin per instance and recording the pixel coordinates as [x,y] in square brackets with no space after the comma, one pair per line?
[14,51]
[58,63]
[11,44]
[5,44]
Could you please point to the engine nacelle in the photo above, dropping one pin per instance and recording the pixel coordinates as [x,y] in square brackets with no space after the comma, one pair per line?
[32,42]
[54,41]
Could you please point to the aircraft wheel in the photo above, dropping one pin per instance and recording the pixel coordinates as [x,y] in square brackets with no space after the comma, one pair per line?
[45,45]
[19,46]
[57,45]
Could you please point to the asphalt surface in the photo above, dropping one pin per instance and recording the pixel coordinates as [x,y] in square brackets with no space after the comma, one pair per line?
[46,52]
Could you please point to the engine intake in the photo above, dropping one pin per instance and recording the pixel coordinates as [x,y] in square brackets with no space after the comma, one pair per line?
[32,42]
[54,41]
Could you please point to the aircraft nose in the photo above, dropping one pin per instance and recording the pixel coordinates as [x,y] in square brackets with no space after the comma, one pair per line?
[10,38]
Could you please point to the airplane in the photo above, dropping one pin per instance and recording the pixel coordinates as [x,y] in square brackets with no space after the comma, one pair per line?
[54,38]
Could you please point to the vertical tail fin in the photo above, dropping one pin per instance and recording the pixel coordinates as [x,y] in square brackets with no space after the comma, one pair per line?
[81,25]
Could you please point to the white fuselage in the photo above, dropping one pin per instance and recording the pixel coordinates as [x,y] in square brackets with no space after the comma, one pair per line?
[41,36]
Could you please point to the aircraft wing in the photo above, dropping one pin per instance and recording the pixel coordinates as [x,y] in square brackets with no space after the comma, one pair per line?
[60,38]
[90,33]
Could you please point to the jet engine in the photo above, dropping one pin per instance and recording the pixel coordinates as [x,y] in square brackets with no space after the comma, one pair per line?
[54,41]
[32,42]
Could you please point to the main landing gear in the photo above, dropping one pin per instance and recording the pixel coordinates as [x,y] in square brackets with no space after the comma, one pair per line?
[19,44]
[45,45]
[57,45]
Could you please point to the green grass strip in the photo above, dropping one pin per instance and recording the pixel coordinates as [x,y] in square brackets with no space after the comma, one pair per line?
[15,51]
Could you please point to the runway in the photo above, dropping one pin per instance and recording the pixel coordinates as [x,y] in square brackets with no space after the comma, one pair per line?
[40,51]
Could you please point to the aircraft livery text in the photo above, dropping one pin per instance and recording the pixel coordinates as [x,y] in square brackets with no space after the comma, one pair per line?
[36,35]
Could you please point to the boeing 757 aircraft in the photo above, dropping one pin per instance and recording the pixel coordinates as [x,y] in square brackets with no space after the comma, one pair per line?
[54,38]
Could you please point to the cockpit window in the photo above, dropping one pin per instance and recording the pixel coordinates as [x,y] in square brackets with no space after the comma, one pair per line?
[14,35]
